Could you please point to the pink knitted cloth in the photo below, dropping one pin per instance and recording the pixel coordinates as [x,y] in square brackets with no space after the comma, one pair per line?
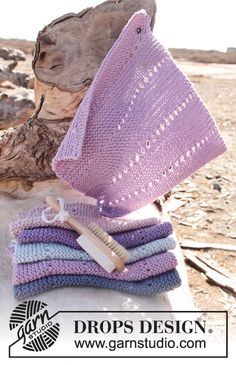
[141,128]
[151,266]
[86,213]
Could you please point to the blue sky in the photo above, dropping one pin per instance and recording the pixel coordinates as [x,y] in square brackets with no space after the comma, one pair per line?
[199,24]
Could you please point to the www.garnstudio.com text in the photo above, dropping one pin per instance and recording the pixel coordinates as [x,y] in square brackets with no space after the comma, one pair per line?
[163,342]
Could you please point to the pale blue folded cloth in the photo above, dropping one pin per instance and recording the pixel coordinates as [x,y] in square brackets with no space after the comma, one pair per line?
[49,251]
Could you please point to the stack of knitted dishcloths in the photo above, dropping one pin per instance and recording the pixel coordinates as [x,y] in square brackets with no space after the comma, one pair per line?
[46,256]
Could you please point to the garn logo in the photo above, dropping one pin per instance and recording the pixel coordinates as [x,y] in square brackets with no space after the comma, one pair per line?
[34,326]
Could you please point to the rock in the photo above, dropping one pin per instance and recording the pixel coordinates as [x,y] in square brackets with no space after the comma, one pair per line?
[216,186]
[210,210]
[17,78]
[173,204]
[16,106]
[233,236]
[7,85]
[209,177]
[186,224]
[11,65]
[12,54]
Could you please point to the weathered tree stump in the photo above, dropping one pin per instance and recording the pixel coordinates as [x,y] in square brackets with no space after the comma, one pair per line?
[68,54]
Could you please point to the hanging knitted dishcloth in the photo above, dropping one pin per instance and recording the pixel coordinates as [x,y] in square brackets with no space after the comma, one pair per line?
[151,266]
[53,251]
[86,213]
[68,237]
[141,128]
[154,285]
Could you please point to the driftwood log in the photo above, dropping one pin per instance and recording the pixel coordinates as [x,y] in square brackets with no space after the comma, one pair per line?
[67,56]
[217,276]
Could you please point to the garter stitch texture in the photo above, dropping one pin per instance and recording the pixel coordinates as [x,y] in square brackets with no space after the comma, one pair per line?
[151,266]
[53,251]
[141,128]
[85,213]
[154,285]
[68,237]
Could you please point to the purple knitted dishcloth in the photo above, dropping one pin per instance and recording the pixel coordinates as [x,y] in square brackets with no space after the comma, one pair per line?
[153,285]
[85,214]
[127,239]
[139,270]
[141,128]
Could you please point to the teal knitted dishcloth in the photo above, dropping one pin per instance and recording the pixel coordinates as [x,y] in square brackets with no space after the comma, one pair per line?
[49,251]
